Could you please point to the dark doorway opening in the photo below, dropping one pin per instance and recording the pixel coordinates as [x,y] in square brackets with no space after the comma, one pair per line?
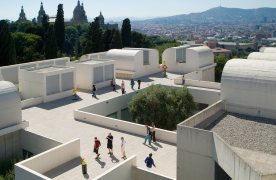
[220,174]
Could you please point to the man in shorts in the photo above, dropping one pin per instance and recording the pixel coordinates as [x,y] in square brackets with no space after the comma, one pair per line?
[97,145]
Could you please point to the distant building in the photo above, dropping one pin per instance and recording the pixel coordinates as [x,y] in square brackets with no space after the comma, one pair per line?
[106,26]
[22,15]
[273,34]
[79,14]
[220,51]
[41,13]
[233,46]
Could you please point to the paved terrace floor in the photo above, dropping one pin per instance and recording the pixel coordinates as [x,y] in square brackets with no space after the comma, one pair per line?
[55,120]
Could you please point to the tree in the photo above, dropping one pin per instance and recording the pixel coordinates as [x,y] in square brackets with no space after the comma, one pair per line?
[126,33]
[107,38]
[140,40]
[28,47]
[51,44]
[94,41]
[7,47]
[116,42]
[60,28]
[165,106]
[45,23]
[220,60]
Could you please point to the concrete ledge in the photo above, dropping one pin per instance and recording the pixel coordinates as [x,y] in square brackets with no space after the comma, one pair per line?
[31,102]
[48,160]
[203,115]
[203,84]
[133,128]
[140,173]
[123,171]
[14,128]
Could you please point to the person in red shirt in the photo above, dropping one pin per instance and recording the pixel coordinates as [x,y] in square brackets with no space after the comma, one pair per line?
[97,145]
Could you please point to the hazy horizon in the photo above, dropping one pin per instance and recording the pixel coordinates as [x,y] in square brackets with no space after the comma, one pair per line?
[124,8]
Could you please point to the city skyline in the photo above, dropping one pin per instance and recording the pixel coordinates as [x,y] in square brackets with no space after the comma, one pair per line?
[123,8]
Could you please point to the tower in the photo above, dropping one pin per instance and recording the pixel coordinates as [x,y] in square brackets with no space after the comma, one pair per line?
[41,13]
[22,15]
[79,14]
[101,19]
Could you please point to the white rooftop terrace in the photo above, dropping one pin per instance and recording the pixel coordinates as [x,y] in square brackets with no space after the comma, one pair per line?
[56,120]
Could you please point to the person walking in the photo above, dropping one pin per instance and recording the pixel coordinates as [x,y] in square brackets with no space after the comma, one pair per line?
[114,84]
[123,87]
[94,91]
[132,83]
[139,83]
[148,136]
[149,161]
[97,145]
[153,132]
[110,144]
[123,148]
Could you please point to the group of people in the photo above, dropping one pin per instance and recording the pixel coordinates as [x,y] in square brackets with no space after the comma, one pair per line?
[109,138]
[123,88]
[150,136]
[148,161]
[113,85]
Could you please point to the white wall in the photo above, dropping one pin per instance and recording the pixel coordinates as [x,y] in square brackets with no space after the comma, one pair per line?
[10,146]
[204,95]
[140,173]
[123,171]
[194,154]
[36,143]
[85,73]
[133,128]
[48,160]
[248,87]
[11,73]
[10,105]
[202,84]
[196,57]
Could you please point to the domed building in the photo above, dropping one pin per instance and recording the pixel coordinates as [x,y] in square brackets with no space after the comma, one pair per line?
[41,13]
[79,14]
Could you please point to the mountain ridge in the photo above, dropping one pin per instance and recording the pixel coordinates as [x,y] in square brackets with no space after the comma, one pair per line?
[217,14]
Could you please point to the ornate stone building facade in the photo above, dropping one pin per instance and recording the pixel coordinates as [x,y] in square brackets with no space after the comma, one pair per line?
[79,14]
[41,13]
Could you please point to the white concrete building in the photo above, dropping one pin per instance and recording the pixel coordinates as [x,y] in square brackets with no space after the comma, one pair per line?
[49,82]
[134,63]
[268,50]
[199,61]
[233,139]
[248,86]
[89,72]
[262,56]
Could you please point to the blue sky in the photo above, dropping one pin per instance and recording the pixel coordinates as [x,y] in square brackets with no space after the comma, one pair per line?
[9,9]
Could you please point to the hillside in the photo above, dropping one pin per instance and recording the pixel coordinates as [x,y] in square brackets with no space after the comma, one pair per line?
[218,14]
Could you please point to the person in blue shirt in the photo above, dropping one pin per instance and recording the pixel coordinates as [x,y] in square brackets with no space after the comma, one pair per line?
[149,161]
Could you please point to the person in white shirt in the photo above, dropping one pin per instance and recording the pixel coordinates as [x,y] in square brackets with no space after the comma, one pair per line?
[123,148]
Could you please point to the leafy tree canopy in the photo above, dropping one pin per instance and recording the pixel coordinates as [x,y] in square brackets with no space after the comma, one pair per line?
[165,106]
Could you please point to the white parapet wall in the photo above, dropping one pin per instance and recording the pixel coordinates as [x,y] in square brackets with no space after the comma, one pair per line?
[140,173]
[127,170]
[123,171]
[35,167]
[203,84]
[133,128]
[36,143]
[11,73]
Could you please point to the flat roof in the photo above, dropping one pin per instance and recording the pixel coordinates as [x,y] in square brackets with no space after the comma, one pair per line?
[246,132]
[44,70]
[55,120]
[92,62]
